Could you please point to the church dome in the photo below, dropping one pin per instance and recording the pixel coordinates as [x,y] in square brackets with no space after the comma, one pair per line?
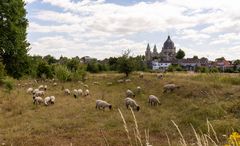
[168,44]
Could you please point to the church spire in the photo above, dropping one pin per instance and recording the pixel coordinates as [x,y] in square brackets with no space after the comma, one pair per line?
[155,49]
[148,47]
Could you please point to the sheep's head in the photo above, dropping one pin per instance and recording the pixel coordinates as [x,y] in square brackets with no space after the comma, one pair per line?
[110,106]
[138,108]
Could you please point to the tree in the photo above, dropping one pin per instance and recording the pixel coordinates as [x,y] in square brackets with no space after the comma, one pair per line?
[180,54]
[44,70]
[13,43]
[195,57]
[125,64]
[62,73]
[50,59]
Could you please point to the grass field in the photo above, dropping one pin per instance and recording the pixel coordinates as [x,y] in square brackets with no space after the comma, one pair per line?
[76,122]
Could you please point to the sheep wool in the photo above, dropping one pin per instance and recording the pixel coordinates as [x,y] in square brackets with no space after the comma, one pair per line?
[153,100]
[132,103]
[102,104]
[130,93]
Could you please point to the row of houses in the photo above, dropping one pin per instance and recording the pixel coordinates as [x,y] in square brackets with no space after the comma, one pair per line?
[190,64]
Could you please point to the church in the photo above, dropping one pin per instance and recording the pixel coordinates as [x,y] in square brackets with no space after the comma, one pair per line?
[162,59]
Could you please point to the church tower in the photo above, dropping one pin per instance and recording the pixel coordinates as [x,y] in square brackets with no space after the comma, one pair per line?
[155,53]
[168,52]
[148,54]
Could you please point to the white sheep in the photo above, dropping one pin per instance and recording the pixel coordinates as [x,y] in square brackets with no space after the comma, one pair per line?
[153,100]
[77,93]
[120,81]
[86,93]
[52,101]
[47,100]
[102,104]
[67,92]
[141,75]
[55,84]
[130,93]
[159,76]
[132,103]
[30,90]
[39,93]
[35,91]
[96,83]
[41,87]
[170,87]
[85,85]
[128,80]
[139,89]
[37,100]
[45,87]
[109,83]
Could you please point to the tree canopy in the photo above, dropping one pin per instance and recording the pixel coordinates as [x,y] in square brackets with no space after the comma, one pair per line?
[180,54]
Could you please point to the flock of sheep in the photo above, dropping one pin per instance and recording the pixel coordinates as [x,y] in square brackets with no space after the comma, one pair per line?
[153,100]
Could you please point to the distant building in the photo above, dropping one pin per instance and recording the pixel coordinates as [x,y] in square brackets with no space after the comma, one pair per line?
[87,59]
[161,61]
[222,64]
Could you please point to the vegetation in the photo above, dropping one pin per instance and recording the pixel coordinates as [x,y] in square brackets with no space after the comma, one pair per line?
[180,54]
[204,96]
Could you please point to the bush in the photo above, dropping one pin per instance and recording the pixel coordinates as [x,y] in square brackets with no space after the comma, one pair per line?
[8,84]
[44,70]
[62,73]
[93,67]
[79,74]
[2,71]
[214,70]
[202,69]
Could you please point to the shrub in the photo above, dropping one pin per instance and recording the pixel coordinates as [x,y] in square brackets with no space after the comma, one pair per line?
[62,73]
[8,84]
[44,70]
[79,74]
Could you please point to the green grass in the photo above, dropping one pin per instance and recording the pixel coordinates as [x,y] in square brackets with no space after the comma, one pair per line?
[76,121]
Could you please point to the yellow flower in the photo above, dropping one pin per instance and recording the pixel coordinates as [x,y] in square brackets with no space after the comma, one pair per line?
[234,139]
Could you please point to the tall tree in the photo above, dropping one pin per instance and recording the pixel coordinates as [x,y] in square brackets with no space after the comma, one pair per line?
[13,43]
[180,54]
[125,63]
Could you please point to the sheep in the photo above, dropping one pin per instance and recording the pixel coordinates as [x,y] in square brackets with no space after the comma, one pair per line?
[96,83]
[30,90]
[102,104]
[159,76]
[45,87]
[120,81]
[132,103]
[77,93]
[141,75]
[129,93]
[127,80]
[41,87]
[109,83]
[86,93]
[170,87]
[85,85]
[35,91]
[47,100]
[52,99]
[153,100]
[39,93]
[139,89]
[55,84]
[67,92]
[37,100]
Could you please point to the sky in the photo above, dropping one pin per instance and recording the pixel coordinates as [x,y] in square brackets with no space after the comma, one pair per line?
[105,28]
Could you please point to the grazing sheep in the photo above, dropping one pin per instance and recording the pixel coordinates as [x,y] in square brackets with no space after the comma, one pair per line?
[170,87]
[153,100]
[35,91]
[96,83]
[141,75]
[39,93]
[109,83]
[37,100]
[55,84]
[86,93]
[77,93]
[132,103]
[67,92]
[41,87]
[30,90]
[47,100]
[127,80]
[52,99]
[139,89]
[159,76]
[102,104]
[85,85]
[129,93]
[120,81]
[45,87]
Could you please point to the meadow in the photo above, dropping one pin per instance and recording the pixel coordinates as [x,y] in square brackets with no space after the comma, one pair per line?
[200,98]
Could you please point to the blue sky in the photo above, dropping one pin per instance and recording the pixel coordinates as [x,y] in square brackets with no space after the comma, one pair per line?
[104,28]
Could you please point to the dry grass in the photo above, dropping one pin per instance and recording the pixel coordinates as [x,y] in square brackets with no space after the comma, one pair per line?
[77,122]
